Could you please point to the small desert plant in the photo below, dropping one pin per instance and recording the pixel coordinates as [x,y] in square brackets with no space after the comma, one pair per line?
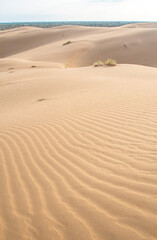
[111,62]
[66,43]
[33,66]
[98,64]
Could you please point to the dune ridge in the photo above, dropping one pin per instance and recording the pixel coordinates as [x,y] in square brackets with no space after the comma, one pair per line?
[77,144]
[127,44]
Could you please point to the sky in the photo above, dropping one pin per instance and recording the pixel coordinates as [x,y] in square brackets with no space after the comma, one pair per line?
[77,10]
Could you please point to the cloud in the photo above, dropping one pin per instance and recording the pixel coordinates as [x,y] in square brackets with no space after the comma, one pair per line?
[96,10]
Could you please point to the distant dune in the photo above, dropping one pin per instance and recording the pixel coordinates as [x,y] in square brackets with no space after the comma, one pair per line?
[128,44]
[78,144]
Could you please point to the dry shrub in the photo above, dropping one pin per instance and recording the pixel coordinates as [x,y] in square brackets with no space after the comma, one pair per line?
[111,62]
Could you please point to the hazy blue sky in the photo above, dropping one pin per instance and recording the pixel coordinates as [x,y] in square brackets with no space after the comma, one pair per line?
[64,10]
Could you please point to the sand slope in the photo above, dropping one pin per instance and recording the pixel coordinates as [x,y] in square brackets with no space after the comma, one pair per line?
[129,44]
[78,146]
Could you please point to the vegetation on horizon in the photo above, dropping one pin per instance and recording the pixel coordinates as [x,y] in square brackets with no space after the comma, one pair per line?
[5,26]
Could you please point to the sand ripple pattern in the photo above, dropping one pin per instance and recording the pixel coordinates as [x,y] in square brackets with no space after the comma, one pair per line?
[78,146]
[88,176]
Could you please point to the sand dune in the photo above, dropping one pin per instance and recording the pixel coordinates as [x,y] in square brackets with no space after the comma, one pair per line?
[78,146]
[128,45]
[141,25]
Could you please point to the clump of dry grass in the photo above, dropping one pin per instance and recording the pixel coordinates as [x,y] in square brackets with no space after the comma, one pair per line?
[111,62]
[98,64]
[66,43]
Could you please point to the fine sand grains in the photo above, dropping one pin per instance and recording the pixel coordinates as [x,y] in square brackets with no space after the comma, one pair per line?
[78,150]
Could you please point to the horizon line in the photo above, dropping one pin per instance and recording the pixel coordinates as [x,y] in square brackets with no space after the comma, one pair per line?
[62,21]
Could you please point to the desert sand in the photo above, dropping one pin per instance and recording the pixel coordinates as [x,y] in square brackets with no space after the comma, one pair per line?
[78,144]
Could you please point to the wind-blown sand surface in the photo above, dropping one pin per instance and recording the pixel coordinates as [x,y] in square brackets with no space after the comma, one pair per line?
[78,146]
